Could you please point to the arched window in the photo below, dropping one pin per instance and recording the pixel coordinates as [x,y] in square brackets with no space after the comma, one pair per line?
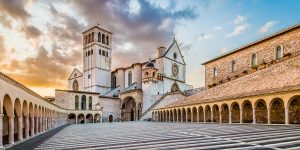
[103,53]
[215,72]
[146,74]
[92,36]
[99,51]
[174,87]
[91,52]
[254,60]
[76,102]
[106,54]
[103,38]
[175,55]
[107,40]
[83,102]
[153,74]
[90,102]
[75,85]
[129,78]
[278,52]
[88,38]
[233,66]
[99,37]
[113,81]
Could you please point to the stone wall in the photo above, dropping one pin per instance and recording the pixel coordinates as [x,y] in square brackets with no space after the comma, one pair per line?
[265,51]
[280,75]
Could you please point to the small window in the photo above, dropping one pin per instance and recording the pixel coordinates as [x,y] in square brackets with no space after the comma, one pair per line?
[91,52]
[254,60]
[86,54]
[146,74]
[99,51]
[75,75]
[175,55]
[99,37]
[215,72]
[153,75]
[233,66]
[106,54]
[278,52]
[89,76]
[92,36]
[103,53]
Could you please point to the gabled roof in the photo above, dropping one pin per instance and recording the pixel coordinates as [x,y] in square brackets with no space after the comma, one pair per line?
[255,42]
[75,69]
[174,42]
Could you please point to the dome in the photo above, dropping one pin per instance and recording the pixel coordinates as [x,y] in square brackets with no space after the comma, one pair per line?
[150,64]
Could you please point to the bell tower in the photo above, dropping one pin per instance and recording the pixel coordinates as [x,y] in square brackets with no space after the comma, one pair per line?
[97,50]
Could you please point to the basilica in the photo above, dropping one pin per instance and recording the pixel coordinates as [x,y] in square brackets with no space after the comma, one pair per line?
[123,94]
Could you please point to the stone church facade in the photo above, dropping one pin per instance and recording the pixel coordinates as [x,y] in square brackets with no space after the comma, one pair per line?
[123,94]
[256,83]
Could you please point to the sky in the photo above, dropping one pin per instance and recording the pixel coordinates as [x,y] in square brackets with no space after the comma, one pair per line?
[41,40]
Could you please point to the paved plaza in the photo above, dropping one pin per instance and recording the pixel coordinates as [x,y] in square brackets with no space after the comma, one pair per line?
[153,135]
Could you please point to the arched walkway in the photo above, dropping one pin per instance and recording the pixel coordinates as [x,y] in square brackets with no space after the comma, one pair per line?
[97,118]
[81,118]
[201,114]
[277,111]
[89,118]
[183,115]
[216,114]
[175,115]
[225,113]
[72,118]
[111,118]
[235,113]
[194,114]
[261,112]
[207,113]
[294,110]
[179,115]
[8,121]
[189,115]
[247,112]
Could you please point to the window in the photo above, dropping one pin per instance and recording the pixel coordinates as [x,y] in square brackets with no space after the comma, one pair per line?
[89,76]
[233,66]
[75,85]
[175,55]
[99,51]
[103,53]
[92,37]
[99,37]
[91,52]
[278,52]
[90,103]
[86,54]
[146,74]
[215,72]
[254,60]
[106,54]
[153,74]
[76,102]
[83,102]
[114,82]
[103,38]
[129,78]
[107,40]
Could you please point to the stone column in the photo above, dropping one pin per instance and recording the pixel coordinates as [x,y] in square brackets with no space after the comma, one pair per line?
[177,116]
[269,115]
[186,117]
[204,116]
[230,118]
[76,120]
[1,130]
[46,123]
[212,115]
[181,120]
[32,126]
[40,124]
[26,124]
[36,125]
[192,116]
[173,117]
[198,116]
[93,119]
[11,129]
[20,128]
[286,115]
[241,115]
[220,117]
[254,116]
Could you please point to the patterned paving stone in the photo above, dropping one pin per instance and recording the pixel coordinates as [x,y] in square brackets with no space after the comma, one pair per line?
[156,135]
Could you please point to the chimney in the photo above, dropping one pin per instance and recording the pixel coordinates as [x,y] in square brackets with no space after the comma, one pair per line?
[161,51]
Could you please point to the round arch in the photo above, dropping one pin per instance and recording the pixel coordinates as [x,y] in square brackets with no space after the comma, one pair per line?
[277,111]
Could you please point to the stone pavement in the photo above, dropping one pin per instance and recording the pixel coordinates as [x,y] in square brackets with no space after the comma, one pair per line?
[158,135]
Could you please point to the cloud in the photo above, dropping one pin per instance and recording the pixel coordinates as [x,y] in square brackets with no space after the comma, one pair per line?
[134,7]
[2,48]
[166,24]
[267,26]
[217,28]
[15,9]
[238,30]
[204,36]
[240,20]
[5,21]
[223,50]
[31,31]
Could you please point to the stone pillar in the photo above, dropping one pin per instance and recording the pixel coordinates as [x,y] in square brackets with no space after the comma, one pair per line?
[230,118]
[46,123]
[20,128]
[76,120]
[220,118]
[32,126]
[192,116]
[269,115]
[11,129]
[254,116]
[40,124]
[26,123]
[198,116]
[212,116]
[204,116]
[186,117]
[36,125]
[181,120]
[241,115]
[1,130]
[173,117]
[177,116]
[286,115]
[93,119]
